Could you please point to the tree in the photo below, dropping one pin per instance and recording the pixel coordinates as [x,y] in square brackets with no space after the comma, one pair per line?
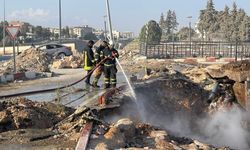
[244,28]
[234,23]
[1,29]
[38,31]
[225,26]
[184,33]
[174,21]
[90,36]
[208,23]
[154,33]
[162,22]
[67,35]
[169,24]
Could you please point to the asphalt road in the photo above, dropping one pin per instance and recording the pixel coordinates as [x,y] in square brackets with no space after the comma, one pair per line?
[66,76]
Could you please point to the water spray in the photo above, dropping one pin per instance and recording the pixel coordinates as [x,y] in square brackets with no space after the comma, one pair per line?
[126,77]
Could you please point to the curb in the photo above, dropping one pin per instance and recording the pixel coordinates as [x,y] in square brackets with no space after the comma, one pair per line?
[29,75]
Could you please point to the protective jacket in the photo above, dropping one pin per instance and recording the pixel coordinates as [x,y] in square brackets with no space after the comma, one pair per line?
[89,60]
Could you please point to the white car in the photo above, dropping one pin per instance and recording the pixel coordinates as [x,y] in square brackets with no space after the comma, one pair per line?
[56,50]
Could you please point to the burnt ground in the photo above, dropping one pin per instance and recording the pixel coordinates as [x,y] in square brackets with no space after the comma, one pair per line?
[170,112]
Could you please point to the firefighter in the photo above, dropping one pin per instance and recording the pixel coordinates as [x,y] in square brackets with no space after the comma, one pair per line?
[98,58]
[110,69]
[89,60]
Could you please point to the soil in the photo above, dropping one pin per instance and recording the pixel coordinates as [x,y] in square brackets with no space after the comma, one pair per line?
[237,66]
[28,124]
[29,60]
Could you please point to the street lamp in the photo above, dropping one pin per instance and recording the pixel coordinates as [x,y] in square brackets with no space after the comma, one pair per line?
[60,21]
[190,33]
[110,25]
[4,27]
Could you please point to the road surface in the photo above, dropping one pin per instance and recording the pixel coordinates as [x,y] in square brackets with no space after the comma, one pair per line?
[66,77]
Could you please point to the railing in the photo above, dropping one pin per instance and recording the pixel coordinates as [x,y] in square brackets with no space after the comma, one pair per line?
[196,49]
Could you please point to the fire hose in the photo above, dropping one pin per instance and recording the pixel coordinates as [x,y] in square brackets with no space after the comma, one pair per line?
[54,89]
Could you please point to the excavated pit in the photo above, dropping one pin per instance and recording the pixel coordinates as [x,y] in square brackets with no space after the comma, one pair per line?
[179,106]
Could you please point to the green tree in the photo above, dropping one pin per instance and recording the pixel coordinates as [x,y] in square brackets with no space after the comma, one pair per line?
[154,33]
[183,33]
[162,22]
[67,35]
[225,27]
[208,20]
[174,21]
[90,36]
[38,31]
[1,30]
[234,23]
[244,28]
[169,24]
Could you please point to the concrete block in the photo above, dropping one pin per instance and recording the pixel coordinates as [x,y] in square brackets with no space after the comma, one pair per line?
[30,75]
[18,76]
[9,78]
[3,79]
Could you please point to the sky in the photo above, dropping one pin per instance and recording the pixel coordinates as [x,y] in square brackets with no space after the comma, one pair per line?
[127,15]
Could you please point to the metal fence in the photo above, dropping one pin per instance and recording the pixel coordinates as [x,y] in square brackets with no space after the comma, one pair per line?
[196,49]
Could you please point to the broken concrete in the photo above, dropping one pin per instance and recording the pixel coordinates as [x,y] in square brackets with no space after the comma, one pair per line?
[68,62]
[20,113]
[29,60]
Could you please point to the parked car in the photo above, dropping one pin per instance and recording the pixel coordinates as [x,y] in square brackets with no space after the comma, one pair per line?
[56,50]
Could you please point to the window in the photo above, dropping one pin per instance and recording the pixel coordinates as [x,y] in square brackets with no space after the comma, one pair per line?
[58,46]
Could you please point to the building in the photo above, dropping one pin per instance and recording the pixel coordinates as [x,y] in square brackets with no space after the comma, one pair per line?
[98,32]
[82,31]
[126,35]
[54,31]
[122,35]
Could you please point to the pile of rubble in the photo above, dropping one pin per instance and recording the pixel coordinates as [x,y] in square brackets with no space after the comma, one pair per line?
[20,113]
[127,135]
[68,62]
[29,60]
[231,79]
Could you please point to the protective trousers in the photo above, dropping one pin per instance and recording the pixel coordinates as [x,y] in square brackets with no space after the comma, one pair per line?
[97,75]
[110,76]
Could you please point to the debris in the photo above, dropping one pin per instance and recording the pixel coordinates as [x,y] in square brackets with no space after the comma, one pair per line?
[68,62]
[20,113]
[29,60]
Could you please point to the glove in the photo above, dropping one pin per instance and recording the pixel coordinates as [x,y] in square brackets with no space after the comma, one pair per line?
[114,54]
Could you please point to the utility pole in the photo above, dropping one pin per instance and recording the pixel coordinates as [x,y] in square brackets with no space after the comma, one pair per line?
[60,21]
[4,27]
[110,24]
[190,34]
[105,28]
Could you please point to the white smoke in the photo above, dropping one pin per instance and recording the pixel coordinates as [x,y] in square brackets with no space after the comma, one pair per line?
[221,129]
[224,128]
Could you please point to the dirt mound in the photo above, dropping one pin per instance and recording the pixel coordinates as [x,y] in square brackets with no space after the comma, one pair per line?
[29,60]
[188,100]
[237,66]
[20,113]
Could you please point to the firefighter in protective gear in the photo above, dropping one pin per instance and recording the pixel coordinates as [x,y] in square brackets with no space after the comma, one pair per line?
[110,69]
[89,60]
[98,58]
